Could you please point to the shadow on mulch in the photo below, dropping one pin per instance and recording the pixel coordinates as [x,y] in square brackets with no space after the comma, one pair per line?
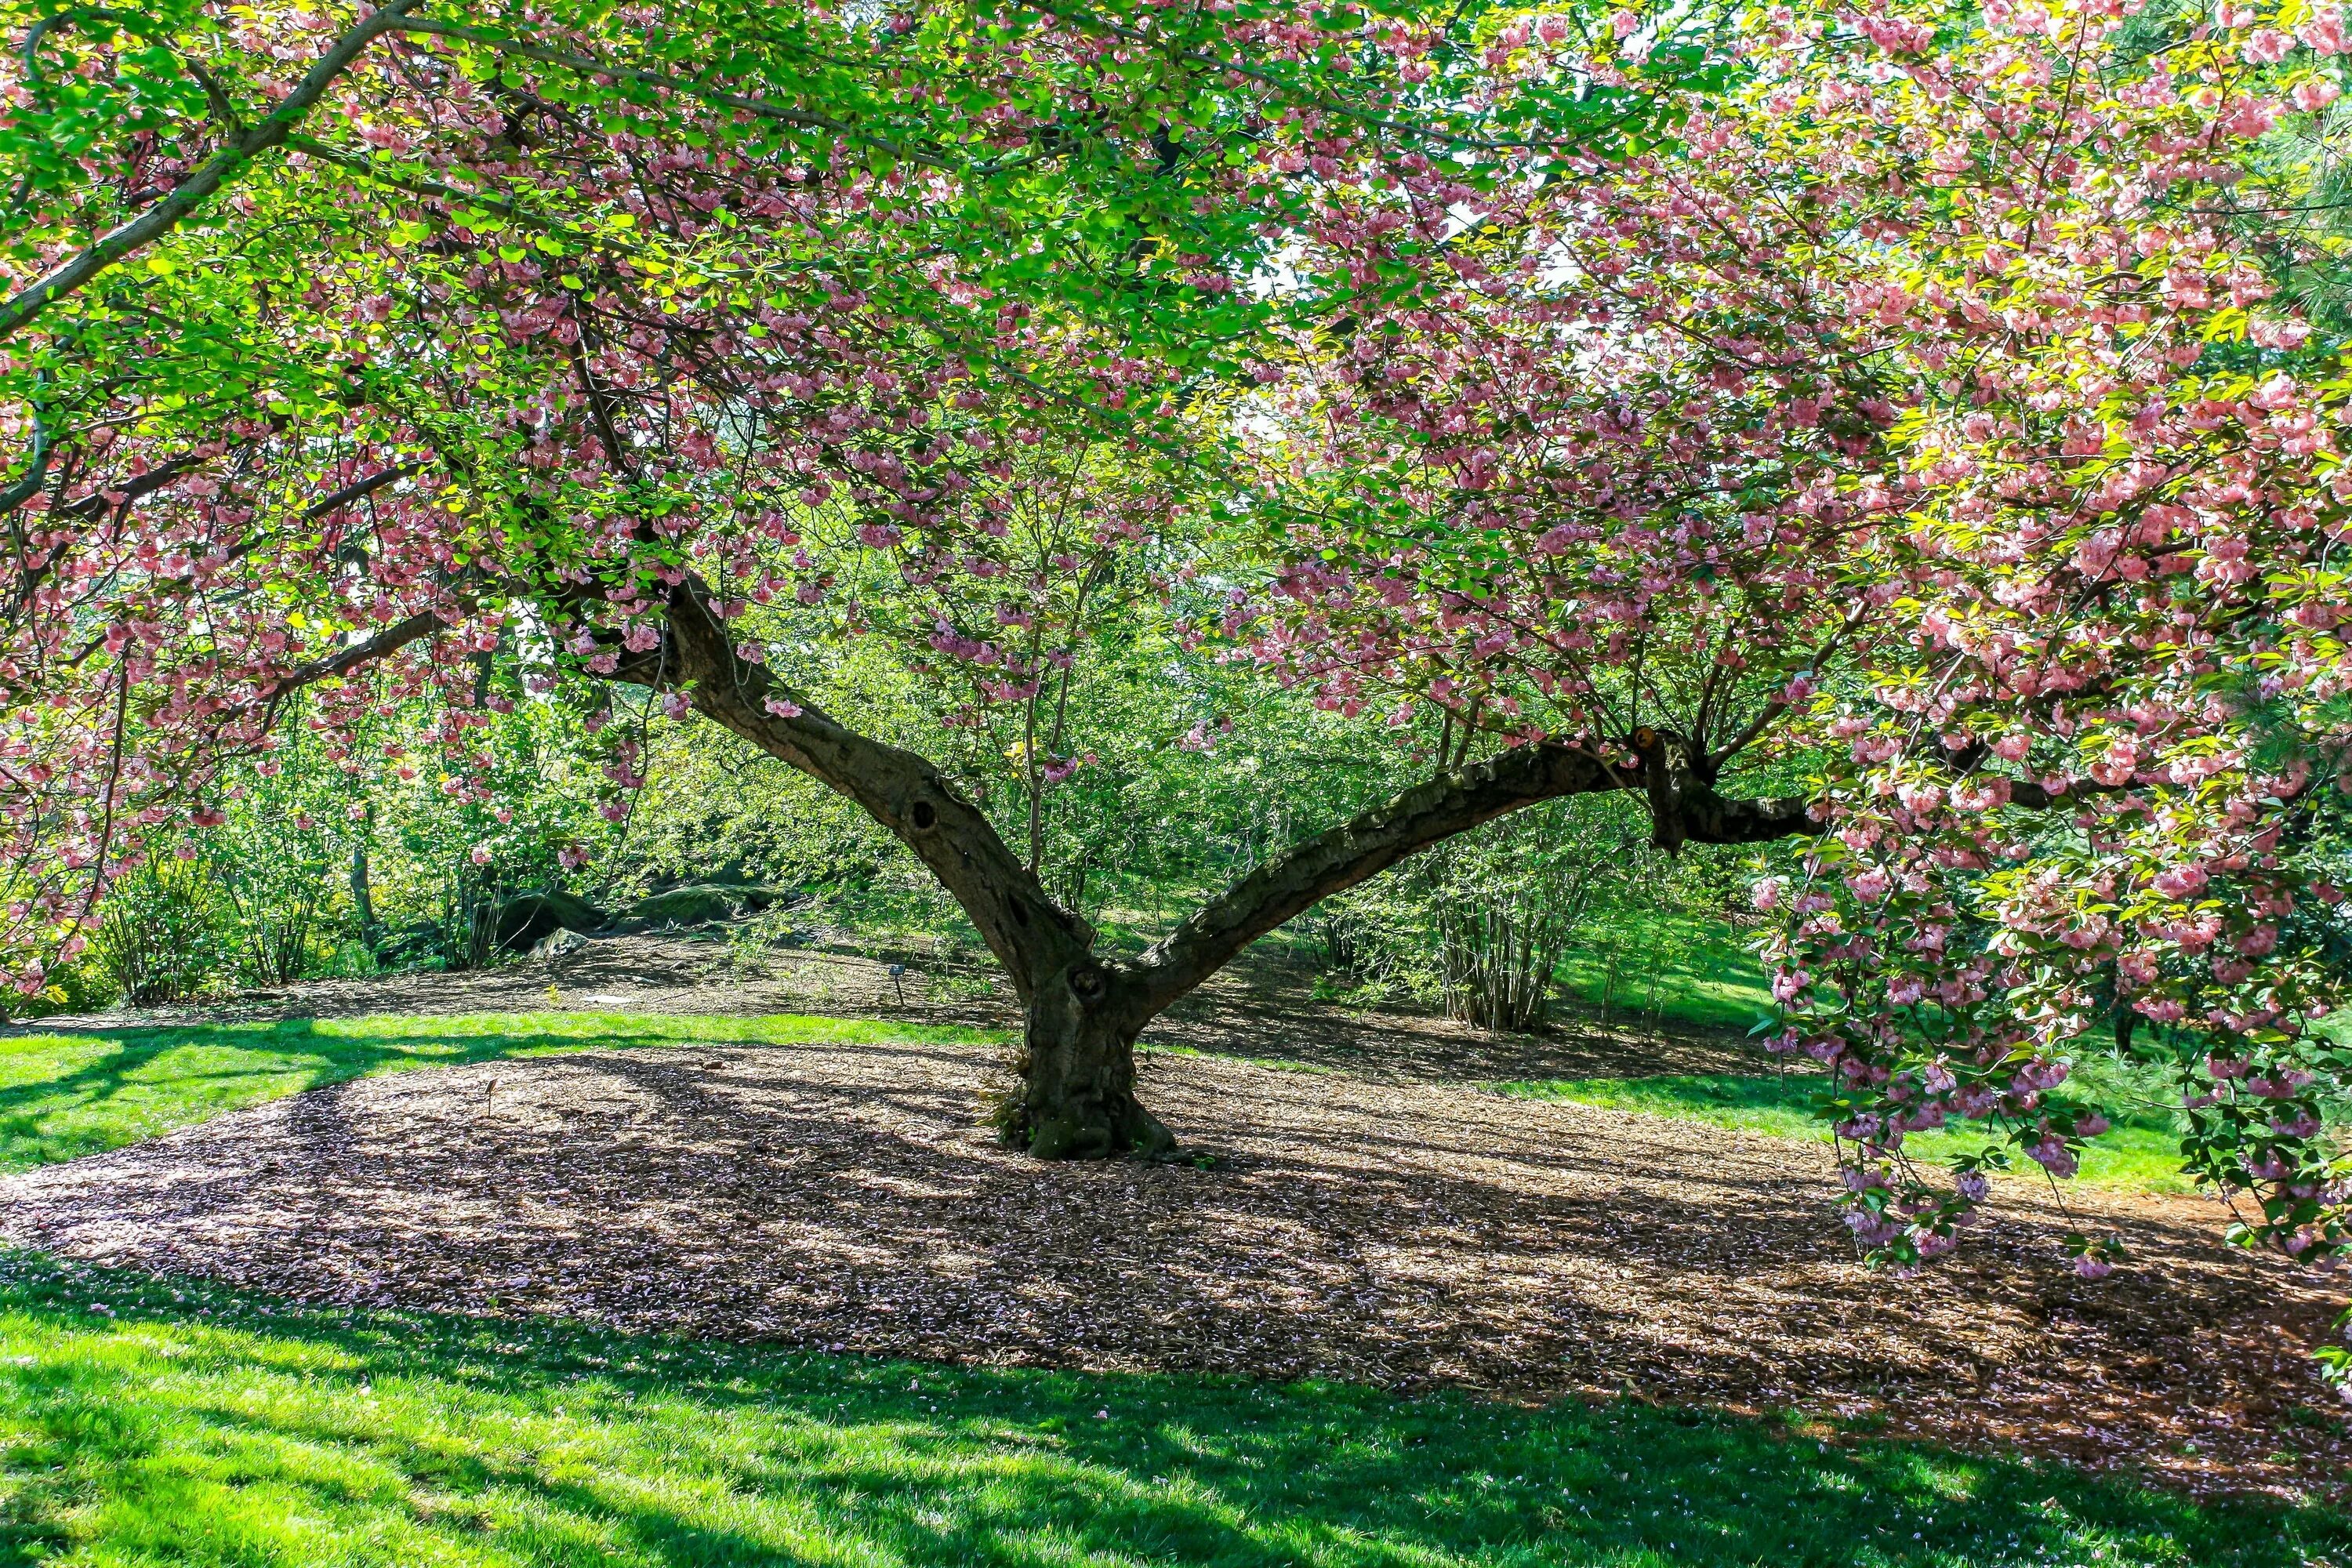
[1259,1007]
[1402,1234]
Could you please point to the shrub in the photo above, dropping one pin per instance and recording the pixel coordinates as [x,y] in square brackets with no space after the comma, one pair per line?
[164,938]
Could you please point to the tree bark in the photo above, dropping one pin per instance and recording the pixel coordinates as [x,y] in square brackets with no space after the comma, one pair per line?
[363,895]
[1083,1011]
[1075,1096]
[1077,1069]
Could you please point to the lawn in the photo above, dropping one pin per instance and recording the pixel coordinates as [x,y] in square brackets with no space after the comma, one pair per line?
[145,1424]
[1649,964]
[66,1094]
[147,1421]
[2138,1153]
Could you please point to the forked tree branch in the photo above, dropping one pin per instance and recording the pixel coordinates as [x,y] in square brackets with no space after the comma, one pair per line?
[1035,937]
[1031,935]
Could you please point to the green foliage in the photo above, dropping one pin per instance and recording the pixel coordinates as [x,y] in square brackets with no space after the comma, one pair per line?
[1516,895]
[317,867]
[275,862]
[1626,931]
[152,1422]
[2336,1359]
[446,861]
[162,938]
[714,805]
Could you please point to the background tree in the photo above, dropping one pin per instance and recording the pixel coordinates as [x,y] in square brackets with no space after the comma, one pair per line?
[1921,410]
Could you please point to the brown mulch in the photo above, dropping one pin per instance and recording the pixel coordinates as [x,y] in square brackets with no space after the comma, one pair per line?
[1409,1234]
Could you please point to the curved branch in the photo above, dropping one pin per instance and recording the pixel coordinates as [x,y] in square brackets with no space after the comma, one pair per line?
[1334,861]
[1030,935]
[189,193]
[1452,802]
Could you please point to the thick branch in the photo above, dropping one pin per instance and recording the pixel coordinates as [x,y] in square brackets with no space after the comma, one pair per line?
[1334,861]
[37,466]
[390,640]
[1711,818]
[1031,935]
[1427,813]
[189,193]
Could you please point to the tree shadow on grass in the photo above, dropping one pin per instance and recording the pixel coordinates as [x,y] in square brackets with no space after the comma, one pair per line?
[173,1421]
[130,1092]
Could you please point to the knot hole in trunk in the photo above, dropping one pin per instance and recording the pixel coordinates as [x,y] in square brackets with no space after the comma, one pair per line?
[1086,984]
[925,816]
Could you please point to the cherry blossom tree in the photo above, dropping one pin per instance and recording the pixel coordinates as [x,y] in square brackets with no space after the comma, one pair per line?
[1922,426]
[1863,427]
[360,358]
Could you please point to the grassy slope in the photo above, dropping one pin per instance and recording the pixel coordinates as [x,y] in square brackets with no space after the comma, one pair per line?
[2134,1154]
[145,1424]
[66,1094]
[139,1424]
[1706,974]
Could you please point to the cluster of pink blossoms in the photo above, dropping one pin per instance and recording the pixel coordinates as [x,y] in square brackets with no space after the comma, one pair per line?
[1923,433]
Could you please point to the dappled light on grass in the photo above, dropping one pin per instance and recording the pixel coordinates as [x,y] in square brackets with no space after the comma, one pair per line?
[66,1094]
[2135,1155]
[846,1194]
[148,1421]
[1642,965]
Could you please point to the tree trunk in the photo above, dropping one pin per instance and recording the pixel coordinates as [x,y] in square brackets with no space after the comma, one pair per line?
[1077,1069]
[1078,1073]
[362,897]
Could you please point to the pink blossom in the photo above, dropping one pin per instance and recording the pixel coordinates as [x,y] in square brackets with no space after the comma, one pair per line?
[2323,33]
[2266,47]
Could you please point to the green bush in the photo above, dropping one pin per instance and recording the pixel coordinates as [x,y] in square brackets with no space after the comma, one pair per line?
[165,936]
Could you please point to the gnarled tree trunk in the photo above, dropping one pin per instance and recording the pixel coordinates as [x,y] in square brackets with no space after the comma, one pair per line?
[1075,1097]
[1083,1011]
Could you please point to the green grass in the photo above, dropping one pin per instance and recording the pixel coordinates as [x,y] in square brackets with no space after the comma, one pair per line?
[1705,973]
[152,1422]
[2139,1153]
[66,1094]
[144,1423]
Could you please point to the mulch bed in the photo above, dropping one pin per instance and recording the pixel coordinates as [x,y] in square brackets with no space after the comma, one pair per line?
[1362,1227]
